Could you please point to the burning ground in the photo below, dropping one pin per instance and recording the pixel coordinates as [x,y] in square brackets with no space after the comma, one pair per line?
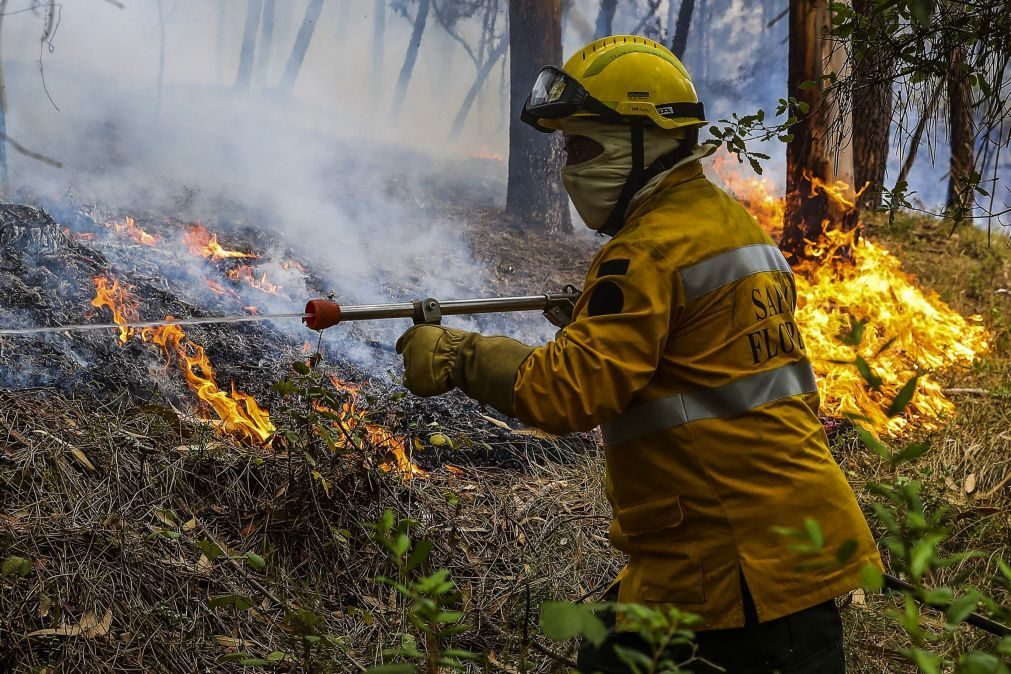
[175,506]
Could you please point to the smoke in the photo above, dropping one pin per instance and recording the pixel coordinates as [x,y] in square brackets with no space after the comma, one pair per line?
[374,198]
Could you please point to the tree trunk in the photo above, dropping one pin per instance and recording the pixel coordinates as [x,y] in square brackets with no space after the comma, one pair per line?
[482,76]
[679,42]
[960,126]
[302,41]
[378,38]
[410,58]
[266,41]
[5,186]
[605,19]
[921,125]
[246,55]
[872,96]
[535,197]
[819,149]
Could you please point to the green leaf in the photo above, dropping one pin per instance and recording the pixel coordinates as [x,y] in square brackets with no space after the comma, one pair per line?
[254,560]
[301,367]
[920,557]
[926,661]
[393,668]
[939,596]
[913,450]
[904,397]
[238,601]
[846,550]
[276,656]
[871,579]
[16,566]
[211,550]
[814,532]
[873,444]
[869,375]
[922,11]
[419,555]
[962,607]
[561,621]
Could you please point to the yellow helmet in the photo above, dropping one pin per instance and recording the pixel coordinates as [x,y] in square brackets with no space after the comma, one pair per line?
[631,76]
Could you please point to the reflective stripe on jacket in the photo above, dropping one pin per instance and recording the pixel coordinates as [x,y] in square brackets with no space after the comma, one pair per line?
[685,351]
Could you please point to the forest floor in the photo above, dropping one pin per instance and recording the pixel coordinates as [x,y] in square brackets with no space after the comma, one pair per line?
[152,544]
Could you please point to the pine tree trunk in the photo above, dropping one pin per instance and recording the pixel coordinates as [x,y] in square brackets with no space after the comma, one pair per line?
[410,57]
[302,41]
[818,149]
[605,18]
[535,197]
[960,125]
[679,42]
[872,98]
[253,9]
[266,41]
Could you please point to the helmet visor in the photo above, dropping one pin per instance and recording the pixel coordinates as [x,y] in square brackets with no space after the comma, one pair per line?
[555,94]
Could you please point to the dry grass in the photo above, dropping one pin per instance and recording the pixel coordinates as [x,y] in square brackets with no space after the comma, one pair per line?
[122,536]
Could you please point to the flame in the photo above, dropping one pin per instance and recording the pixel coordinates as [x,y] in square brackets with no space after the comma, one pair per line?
[868,284]
[245,274]
[119,300]
[354,419]
[130,229]
[239,414]
[252,310]
[200,241]
[219,289]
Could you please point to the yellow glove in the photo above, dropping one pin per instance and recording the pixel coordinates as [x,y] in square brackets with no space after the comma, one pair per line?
[438,359]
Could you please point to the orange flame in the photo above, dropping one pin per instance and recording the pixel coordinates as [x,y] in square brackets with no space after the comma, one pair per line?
[354,419]
[246,275]
[130,229]
[119,300]
[200,241]
[219,289]
[868,284]
[238,413]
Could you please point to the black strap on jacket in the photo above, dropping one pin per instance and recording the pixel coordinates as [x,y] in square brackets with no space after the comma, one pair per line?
[639,176]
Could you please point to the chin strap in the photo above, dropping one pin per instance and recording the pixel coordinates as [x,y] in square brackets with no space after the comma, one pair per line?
[640,174]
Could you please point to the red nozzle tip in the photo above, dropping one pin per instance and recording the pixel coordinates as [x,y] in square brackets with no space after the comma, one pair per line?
[325,314]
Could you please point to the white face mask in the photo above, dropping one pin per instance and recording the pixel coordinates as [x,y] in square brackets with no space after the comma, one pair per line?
[595,185]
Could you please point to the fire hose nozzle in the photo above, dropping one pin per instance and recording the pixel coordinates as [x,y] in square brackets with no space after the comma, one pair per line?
[325,314]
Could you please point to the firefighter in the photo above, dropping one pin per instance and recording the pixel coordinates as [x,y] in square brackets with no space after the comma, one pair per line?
[685,350]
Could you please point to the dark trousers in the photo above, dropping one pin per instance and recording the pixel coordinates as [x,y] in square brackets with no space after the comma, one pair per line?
[806,642]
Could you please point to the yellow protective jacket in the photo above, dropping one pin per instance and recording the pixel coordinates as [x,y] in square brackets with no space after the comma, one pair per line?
[685,351]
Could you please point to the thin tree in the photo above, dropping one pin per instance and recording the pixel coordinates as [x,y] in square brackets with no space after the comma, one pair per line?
[248,51]
[818,149]
[605,19]
[872,96]
[302,41]
[266,41]
[960,127]
[534,197]
[410,57]
[679,38]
